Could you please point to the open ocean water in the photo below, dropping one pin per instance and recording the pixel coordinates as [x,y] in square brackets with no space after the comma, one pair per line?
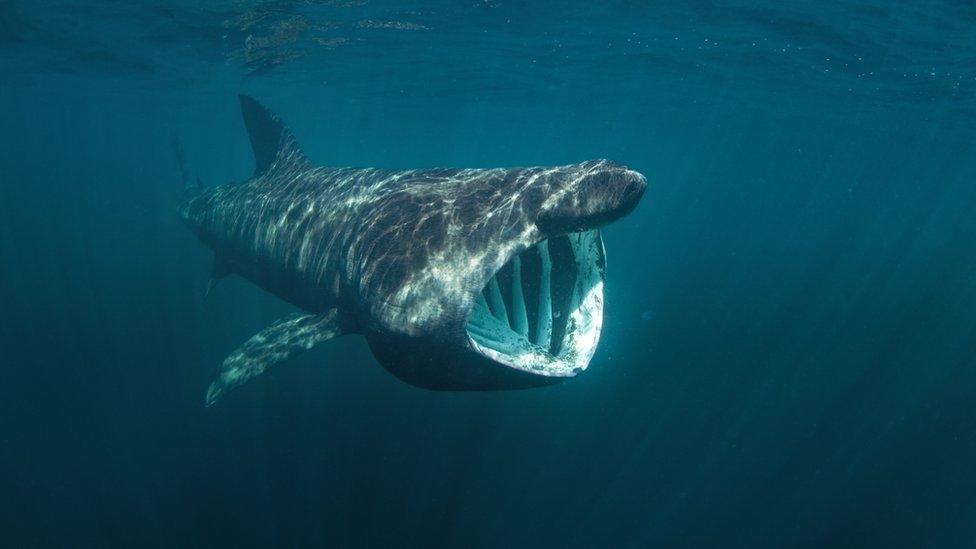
[789,348]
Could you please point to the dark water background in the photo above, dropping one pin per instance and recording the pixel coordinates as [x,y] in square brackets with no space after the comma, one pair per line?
[789,349]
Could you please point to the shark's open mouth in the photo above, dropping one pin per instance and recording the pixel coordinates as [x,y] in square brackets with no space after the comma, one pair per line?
[543,310]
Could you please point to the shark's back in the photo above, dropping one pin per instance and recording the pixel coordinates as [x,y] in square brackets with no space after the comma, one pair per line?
[395,248]
[366,239]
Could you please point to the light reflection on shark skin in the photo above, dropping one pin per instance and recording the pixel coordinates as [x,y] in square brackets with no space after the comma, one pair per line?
[403,256]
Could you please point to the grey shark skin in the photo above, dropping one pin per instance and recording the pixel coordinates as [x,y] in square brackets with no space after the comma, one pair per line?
[460,279]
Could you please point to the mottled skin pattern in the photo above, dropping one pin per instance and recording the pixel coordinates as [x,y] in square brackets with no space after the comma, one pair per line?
[401,254]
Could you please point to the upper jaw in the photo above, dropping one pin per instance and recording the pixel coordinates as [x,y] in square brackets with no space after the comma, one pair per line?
[542,312]
[590,197]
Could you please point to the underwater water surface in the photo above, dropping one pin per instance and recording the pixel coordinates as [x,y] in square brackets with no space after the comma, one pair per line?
[788,355]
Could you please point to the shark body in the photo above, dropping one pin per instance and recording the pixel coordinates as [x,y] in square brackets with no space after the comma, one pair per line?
[460,279]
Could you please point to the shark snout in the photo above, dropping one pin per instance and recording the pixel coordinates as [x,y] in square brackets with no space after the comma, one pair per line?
[624,189]
[592,199]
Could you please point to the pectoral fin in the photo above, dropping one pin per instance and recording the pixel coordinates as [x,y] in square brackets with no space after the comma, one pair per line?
[282,340]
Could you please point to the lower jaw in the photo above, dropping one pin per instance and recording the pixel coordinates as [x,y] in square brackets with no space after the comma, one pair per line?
[440,366]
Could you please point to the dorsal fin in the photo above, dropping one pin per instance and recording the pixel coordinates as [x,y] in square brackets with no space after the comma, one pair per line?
[273,144]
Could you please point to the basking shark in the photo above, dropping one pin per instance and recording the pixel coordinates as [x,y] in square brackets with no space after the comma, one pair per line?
[460,279]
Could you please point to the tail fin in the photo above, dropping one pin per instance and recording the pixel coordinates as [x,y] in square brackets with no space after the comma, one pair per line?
[189,187]
[274,146]
[174,141]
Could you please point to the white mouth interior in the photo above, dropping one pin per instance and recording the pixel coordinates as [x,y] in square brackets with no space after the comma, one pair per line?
[542,312]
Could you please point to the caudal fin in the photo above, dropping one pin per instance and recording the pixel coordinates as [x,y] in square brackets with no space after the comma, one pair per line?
[190,188]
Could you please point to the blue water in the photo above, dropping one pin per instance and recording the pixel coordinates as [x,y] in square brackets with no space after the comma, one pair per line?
[789,353]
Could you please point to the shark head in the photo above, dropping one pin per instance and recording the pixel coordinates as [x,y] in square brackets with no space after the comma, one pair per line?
[509,293]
